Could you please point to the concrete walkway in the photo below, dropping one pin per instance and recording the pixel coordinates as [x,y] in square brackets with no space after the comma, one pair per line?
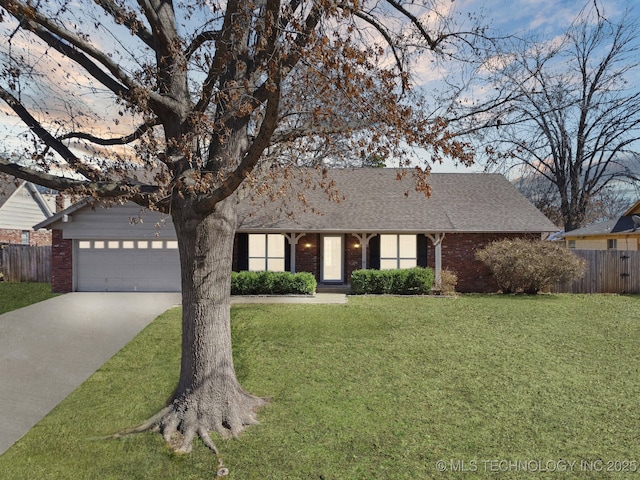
[48,349]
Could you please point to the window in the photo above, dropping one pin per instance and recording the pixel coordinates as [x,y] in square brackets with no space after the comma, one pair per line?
[266,252]
[24,238]
[398,251]
[572,244]
[612,244]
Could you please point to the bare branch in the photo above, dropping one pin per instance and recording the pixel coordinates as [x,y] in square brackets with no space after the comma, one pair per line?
[107,189]
[128,20]
[45,136]
[252,156]
[201,39]
[140,131]
[31,17]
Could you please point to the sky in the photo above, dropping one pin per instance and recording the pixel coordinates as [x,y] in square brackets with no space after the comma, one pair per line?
[546,19]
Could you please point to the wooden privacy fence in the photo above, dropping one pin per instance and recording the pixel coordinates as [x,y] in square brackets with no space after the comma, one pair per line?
[25,263]
[607,271]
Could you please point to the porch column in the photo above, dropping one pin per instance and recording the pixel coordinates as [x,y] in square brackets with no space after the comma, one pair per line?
[293,238]
[364,238]
[436,239]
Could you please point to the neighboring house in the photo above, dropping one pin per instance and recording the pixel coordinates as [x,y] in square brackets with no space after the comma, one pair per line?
[619,234]
[374,220]
[21,207]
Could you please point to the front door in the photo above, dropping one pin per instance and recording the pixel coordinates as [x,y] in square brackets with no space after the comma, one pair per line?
[332,259]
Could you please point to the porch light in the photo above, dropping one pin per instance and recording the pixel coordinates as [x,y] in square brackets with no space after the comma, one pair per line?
[356,245]
[307,245]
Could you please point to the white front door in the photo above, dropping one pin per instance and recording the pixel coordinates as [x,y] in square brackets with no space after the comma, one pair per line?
[332,259]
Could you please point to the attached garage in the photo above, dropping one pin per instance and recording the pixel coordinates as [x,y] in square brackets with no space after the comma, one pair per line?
[123,248]
[127,266]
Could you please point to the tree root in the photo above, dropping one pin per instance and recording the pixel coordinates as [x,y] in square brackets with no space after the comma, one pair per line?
[184,420]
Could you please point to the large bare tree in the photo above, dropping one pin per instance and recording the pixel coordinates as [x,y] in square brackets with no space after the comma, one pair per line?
[572,114]
[173,106]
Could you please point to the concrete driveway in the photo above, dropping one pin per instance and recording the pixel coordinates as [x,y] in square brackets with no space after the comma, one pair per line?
[48,349]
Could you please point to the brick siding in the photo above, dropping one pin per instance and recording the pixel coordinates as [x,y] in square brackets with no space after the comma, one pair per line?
[353,256]
[61,263]
[37,238]
[458,255]
[308,255]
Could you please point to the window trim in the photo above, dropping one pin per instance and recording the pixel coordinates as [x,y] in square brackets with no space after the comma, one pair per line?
[268,260]
[400,256]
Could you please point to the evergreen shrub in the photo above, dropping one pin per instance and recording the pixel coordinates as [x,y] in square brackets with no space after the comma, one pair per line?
[272,283]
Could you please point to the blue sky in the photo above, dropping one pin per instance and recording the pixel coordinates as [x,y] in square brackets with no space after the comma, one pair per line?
[545,19]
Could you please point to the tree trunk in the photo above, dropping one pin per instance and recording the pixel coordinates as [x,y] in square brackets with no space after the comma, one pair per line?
[208,396]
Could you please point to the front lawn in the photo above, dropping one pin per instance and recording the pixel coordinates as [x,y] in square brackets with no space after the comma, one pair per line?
[491,386]
[18,295]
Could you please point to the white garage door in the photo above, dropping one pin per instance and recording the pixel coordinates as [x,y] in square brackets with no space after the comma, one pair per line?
[127,266]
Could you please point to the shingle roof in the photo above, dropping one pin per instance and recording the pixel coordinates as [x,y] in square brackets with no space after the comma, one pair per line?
[624,224]
[8,186]
[374,200]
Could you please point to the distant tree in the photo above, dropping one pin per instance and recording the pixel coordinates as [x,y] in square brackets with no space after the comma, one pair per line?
[175,105]
[609,203]
[573,112]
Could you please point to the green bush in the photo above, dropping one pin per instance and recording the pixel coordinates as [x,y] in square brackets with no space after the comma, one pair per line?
[527,266]
[272,283]
[410,281]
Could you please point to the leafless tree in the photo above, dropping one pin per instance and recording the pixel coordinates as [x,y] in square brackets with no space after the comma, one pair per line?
[173,106]
[610,202]
[573,115]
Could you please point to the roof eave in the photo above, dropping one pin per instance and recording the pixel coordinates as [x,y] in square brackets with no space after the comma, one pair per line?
[58,216]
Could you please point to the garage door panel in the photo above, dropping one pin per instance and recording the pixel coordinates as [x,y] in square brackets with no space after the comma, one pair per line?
[127,265]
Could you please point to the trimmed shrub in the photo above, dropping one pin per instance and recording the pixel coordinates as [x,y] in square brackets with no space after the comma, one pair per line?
[410,281]
[272,283]
[527,266]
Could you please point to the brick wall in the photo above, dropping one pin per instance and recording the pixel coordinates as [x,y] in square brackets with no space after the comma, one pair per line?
[10,236]
[308,255]
[36,238]
[353,256]
[61,263]
[40,237]
[458,255]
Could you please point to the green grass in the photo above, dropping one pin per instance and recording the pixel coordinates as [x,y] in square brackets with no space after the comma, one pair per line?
[18,295]
[378,388]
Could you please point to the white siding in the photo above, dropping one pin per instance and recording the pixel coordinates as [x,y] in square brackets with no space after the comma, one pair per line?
[21,211]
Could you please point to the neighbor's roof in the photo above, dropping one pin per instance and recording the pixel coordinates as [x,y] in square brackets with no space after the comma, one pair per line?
[622,225]
[374,200]
[8,186]
[635,208]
